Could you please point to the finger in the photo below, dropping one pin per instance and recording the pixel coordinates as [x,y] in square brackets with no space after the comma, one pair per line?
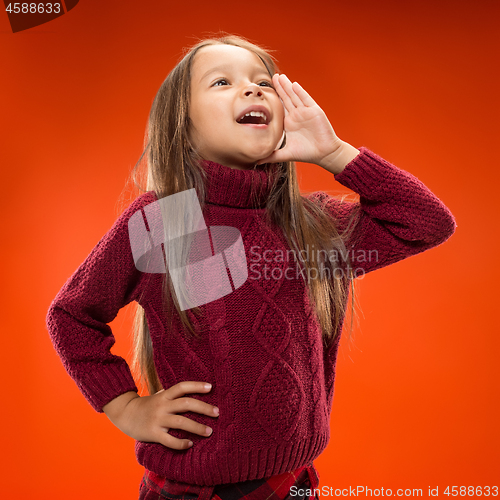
[303,95]
[286,84]
[186,387]
[276,84]
[186,424]
[283,96]
[287,103]
[170,441]
[181,405]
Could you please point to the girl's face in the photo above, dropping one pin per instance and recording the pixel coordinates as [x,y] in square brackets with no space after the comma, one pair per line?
[226,83]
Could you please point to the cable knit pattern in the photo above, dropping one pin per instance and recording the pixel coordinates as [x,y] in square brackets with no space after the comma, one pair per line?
[260,346]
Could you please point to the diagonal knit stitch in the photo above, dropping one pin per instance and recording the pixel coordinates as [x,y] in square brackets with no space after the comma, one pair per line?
[261,346]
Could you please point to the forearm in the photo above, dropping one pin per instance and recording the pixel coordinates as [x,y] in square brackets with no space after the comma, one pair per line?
[399,215]
[337,161]
[116,406]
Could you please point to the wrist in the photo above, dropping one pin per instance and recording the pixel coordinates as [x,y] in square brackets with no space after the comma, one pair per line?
[336,161]
[116,406]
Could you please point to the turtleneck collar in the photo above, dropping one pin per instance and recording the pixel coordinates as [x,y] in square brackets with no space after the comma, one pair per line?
[231,187]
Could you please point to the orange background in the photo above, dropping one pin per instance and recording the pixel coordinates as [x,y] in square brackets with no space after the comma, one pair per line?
[416,397]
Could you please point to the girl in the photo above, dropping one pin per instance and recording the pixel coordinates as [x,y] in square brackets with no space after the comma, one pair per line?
[226,128]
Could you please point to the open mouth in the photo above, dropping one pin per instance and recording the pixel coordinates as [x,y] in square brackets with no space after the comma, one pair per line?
[254,117]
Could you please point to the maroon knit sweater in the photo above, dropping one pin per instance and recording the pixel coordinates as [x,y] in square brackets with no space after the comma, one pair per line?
[261,346]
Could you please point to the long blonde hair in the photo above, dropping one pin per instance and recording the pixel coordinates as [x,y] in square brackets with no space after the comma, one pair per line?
[173,167]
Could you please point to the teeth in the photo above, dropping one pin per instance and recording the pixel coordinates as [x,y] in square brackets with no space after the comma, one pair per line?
[257,113]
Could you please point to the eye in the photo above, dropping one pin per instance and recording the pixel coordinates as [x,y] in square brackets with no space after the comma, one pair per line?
[222,80]
[266,83]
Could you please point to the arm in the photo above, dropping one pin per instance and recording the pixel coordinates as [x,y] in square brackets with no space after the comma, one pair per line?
[115,407]
[398,215]
[78,317]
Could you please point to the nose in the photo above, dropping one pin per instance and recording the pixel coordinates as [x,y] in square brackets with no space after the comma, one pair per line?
[253,89]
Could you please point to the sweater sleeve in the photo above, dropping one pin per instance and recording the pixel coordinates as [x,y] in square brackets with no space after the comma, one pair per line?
[77,318]
[397,215]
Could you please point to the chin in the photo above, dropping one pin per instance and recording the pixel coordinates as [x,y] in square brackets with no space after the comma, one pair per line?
[259,153]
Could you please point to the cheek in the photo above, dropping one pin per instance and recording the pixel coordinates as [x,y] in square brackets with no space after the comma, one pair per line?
[208,119]
[279,122]
[196,129]
[215,115]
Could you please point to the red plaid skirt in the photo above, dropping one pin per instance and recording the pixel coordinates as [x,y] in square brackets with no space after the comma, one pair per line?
[273,488]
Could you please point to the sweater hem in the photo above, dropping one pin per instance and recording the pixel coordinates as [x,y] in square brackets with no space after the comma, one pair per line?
[209,469]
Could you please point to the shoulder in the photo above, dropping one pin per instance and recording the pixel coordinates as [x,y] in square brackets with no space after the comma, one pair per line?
[121,225]
[141,201]
[136,205]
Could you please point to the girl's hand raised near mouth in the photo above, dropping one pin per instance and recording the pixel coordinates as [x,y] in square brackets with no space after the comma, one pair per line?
[309,135]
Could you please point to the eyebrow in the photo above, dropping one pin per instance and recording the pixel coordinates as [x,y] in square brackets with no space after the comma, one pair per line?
[221,68]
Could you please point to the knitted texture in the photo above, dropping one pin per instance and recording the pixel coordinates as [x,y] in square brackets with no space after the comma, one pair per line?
[260,346]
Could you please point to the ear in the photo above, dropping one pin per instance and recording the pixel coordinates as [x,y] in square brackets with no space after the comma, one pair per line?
[281,142]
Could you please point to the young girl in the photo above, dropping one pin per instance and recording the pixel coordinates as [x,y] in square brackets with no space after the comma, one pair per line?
[224,130]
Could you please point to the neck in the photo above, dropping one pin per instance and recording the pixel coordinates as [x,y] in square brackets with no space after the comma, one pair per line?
[235,186]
